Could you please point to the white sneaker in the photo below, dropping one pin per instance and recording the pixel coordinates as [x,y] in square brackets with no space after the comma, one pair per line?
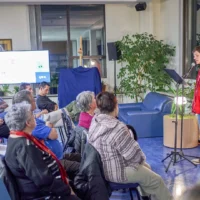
[196,161]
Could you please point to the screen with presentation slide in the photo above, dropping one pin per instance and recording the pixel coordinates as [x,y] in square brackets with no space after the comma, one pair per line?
[24,66]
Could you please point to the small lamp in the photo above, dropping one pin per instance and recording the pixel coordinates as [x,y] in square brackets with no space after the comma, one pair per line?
[92,62]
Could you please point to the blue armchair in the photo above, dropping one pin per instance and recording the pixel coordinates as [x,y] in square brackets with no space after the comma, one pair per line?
[147,116]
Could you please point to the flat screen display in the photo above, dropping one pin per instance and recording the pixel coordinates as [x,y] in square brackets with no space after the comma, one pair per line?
[24,66]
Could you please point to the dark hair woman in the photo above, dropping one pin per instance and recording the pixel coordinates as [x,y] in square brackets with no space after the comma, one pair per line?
[122,158]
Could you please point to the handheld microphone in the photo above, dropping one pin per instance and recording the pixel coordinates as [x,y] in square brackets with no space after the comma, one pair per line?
[188,73]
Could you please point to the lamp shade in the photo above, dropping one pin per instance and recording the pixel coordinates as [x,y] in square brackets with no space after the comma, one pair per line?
[180,100]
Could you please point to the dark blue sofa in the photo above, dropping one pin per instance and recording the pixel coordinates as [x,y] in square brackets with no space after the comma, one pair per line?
[147,116]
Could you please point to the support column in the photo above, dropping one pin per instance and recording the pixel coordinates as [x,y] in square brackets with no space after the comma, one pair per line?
[69,46]
[93,43]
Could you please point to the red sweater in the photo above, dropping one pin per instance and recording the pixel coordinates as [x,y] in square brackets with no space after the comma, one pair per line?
[85,120]
[196,100]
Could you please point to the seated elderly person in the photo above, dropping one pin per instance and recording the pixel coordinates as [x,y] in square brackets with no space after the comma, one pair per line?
[49,135]
[54,117]
[87,104]
[37,171]
[122,158]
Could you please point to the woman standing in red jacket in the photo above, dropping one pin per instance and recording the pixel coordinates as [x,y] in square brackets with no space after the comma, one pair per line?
[196,100]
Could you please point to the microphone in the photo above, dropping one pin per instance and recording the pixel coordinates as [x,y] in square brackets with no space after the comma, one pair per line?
[191,68]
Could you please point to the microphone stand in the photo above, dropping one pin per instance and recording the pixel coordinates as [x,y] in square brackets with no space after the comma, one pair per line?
[182,113]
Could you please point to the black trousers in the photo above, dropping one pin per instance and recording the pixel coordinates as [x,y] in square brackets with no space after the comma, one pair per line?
[71,163]
[4,131]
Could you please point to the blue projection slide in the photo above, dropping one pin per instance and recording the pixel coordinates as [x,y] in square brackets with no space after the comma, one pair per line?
[42,76]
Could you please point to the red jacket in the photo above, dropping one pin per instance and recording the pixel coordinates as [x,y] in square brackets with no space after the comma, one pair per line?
[196,100]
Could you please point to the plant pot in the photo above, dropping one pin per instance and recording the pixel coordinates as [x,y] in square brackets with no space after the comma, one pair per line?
[1,93]
[190,131]
[53,90]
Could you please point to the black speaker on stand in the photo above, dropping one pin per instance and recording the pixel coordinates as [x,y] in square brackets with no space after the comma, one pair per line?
[114,54]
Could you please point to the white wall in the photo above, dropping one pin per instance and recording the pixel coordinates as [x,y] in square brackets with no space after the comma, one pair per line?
[161,18]
[120,20]
[14,24]
[171,28]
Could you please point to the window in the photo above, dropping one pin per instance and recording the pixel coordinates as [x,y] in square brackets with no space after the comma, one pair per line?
[62,28]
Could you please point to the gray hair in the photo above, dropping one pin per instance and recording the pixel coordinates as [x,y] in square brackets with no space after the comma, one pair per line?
[23,95]
[84,99]
[18,115]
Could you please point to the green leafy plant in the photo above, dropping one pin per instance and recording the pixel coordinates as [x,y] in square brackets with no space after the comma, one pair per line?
[16,89]
[119,90]
[198,39]
[144,58]
[5,89]
[188,92]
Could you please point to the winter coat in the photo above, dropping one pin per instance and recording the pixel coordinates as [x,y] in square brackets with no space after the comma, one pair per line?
[90,183]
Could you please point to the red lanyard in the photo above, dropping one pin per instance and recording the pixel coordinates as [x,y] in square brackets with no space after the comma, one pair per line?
[39,144]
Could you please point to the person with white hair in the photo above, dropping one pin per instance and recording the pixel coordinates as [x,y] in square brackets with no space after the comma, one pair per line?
[37,170]
[87,104]
[49,136]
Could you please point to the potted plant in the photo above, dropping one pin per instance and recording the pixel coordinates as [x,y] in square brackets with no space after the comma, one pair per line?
[5,90]
[144,58]
[54,84]
[16,89]
[190,124]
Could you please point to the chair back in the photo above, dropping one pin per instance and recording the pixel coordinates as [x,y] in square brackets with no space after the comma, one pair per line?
[68,130]
[9,181]
[4,192]
[155,101]
[90,182]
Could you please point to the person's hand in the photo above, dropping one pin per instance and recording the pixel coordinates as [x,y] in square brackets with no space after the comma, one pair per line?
[56,107]
[1,121]
[45,111]
[49,124]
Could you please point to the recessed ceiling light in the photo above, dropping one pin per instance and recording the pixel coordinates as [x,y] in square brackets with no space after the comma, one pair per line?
[60,17]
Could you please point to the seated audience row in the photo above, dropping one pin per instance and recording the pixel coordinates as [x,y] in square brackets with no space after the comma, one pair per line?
[122,159]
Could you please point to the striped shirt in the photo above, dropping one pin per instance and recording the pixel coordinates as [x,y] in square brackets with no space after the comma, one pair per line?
[116,147]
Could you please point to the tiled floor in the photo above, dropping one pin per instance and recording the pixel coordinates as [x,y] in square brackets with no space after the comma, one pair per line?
[178,177]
